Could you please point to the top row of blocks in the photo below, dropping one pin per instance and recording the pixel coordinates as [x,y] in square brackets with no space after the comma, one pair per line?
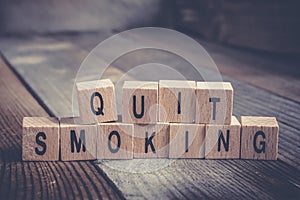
[164,101]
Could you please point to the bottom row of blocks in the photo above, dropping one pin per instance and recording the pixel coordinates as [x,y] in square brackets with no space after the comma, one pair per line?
[48,138]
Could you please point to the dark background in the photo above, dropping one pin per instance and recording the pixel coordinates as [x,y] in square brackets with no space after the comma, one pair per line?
[266,25]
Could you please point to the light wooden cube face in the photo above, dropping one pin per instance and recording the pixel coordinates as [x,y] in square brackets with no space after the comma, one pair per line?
[97,101]
[115,141]
[40,140]
[140,102]
[77,142]
[177,101]
[151,141]
[187,140]
[214,102]
[259,138]
[223,141]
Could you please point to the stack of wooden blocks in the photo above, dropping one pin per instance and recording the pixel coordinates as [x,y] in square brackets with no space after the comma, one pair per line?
[165,119]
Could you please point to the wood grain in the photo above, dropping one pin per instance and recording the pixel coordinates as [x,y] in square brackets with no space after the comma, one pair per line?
[259,138]
[214,102]
[39,180]
[262,70]
[157,137]
[115,141]
[202,178]
[77,141]
[223,141]
[97,101]
[40,139]
[177,101]
[187,140]
[144,109]
[232,179]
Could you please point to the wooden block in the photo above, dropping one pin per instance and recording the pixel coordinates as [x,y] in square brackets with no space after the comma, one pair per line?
[151,141]
[214,102]
[140,102]
[77,141]
[177,101]
[223,141]
[115,141]
[40,139]
[259,138]
[97,101]
[186,140]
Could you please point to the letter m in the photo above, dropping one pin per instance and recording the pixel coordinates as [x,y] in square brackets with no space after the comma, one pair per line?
[77,143]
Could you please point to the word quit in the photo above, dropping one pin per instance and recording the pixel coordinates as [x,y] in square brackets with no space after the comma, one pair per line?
[165,119]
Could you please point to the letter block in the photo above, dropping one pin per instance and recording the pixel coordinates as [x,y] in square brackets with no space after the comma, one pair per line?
[214,102]
[115,141]
[259,138]
[223,141]
[77,142]
[177,101]
[151,141]
[187,140]
[40,139]
[140,102]
[97,101]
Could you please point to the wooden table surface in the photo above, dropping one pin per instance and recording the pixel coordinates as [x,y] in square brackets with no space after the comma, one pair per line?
[39,180]
[56,58]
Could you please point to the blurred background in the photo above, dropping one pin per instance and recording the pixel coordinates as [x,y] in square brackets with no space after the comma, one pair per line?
[266,25]
[45,41]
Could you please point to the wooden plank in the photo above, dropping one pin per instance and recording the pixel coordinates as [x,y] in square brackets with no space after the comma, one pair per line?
[39,180]
[240,64]
[209,179]
[204,178]
[53,67]
[261,69]
[50,66]
[52,58]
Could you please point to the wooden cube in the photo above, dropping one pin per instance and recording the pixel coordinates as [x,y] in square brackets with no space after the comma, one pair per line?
[151,141]
[214,102]
[177,101]
[140,102]
[223,141]
[186,140]
[115,141]
[259,138]
[77,141]
[96,101]
[40,140]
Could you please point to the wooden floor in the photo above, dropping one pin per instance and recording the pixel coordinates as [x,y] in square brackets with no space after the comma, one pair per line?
[56,58]
[39,180]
